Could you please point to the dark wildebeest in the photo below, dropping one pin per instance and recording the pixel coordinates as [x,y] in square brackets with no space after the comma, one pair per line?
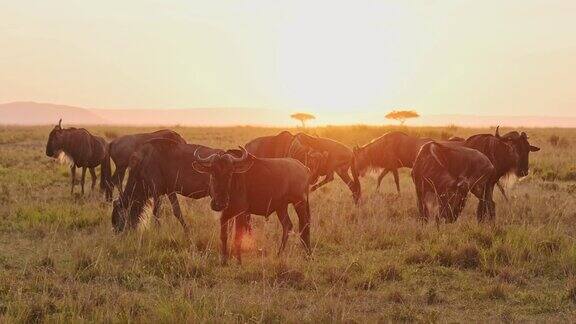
[85,151]
[508,153]
[284,145]
[242,184]
[122,148]
[160,167]
[443,175]
[520,142]
[389,152]
[338,159]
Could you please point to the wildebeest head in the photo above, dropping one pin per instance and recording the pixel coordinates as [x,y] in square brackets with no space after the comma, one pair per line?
[523,148]
[55,140]
[315,161]
[362,160]
[221,167]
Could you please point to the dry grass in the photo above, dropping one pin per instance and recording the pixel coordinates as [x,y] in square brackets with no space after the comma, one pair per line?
[59,260]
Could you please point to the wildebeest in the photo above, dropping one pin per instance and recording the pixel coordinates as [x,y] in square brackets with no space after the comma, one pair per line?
[285,144]
[443,175]
[520,142]
[160,167]
[338,159]
[389,152]
[85,150]
[242,184]
[121,148]
[508,153]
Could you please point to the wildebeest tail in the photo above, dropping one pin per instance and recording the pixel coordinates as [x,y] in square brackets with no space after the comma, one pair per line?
[106,174]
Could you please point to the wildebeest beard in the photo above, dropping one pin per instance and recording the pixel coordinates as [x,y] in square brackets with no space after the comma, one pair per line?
[64,158]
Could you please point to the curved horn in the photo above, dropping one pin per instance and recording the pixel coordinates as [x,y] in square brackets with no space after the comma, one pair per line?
[208,159]
[60,123]
[497,132]
[241,158]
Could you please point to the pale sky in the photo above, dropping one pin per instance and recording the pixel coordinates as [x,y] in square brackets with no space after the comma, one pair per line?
[514,57]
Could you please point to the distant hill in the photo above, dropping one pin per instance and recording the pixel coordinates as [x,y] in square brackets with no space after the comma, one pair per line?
[32,113]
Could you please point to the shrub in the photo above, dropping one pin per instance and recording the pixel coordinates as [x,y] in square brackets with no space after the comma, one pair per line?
[554,140]
[467,257]
[396,296]
[290,277]
[557,141]
[389,273]
[496,291]
[432,296]
[417,257]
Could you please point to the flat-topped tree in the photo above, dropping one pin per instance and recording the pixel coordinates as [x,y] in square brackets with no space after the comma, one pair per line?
[402,115]
[303,117]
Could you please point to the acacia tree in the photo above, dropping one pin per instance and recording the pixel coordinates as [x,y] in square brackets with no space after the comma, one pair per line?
[303,117]
[402,115]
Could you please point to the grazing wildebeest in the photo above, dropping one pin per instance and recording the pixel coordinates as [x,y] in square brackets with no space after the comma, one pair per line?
[121,148]
[160,167]
[85,151]
[443,175]
[284,145]
[338,158]
[389,152]
[242,184]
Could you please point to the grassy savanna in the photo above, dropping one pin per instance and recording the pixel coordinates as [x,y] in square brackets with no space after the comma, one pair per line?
[60,261]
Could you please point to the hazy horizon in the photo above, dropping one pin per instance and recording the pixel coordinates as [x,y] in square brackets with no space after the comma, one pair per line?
[31,113]
[472,58]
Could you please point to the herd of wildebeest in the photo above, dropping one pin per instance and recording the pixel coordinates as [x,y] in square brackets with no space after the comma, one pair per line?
[269,173]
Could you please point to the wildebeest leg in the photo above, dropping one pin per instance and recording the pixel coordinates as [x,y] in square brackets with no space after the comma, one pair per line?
[93,176]
[481,193]
[303,211]
[422,207]
[224,237]
[284,218]
[241,223]
[73,175]
[329,177]
[380,177]
[157,202]
[83,179]
[490,205]
[343,174]
[177,211]
[396,179]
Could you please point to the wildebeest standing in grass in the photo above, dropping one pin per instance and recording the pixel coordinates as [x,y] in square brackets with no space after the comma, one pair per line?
[242,184]
[121,148]
[85,150]
[160,167]
[338,160]
[388,152]
[520,142]
[284,145]
[508,153]
[443,175]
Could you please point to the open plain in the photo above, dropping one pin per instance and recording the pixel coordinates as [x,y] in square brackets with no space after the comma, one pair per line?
[60,260]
